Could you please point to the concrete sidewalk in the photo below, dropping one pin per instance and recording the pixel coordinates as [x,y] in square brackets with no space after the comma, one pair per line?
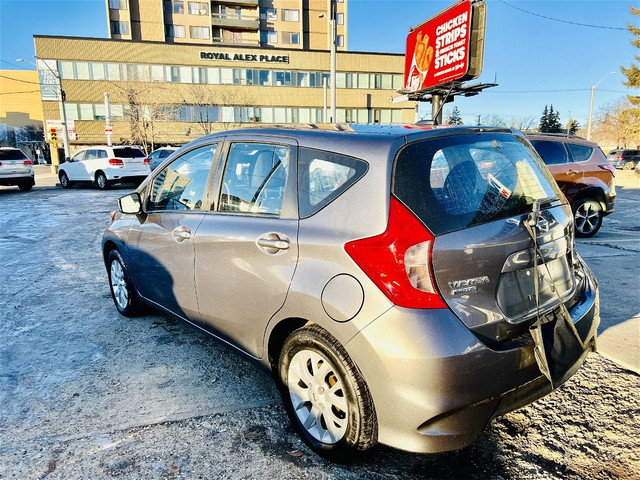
[45,176]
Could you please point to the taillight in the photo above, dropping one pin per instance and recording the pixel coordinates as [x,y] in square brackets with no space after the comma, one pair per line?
[0,164]
[28,162]
[398,261]
[115,162]
[619,157]
[146,161]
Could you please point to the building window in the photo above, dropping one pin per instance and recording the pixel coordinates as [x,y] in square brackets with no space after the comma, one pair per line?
[118,4]
[268,14]
[97,71]
[340,41]
[340,18]
[119,28]
[290,38]
[290,15]
[175,31]
[198,8]
[268,36]
[199,32]
[177,7]
[82,71]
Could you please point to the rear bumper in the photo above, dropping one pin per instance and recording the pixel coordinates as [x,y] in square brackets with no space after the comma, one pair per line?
[17,179]
[435,385]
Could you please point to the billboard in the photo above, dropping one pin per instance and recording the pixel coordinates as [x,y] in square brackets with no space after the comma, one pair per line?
[442,50]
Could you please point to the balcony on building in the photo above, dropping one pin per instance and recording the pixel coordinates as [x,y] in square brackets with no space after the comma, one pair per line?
[235,22]
[241,3]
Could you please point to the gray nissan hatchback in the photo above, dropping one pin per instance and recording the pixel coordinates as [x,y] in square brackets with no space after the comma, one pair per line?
[405,285]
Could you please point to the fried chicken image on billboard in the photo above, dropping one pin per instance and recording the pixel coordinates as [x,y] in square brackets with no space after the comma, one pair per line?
[423,52]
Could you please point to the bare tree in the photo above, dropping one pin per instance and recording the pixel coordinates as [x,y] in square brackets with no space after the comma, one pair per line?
[148,104]
[616,125]
[494,120]
[217,108]
[523,123]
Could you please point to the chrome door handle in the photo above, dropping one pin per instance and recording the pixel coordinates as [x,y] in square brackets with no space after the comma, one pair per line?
[277,243]
[181,233]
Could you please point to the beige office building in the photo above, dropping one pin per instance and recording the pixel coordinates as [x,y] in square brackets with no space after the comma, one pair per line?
[260,62]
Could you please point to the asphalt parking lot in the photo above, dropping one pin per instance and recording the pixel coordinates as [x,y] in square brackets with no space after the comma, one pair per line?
[87,393]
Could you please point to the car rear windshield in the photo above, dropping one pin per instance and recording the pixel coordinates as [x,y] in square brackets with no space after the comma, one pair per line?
[457,181]
[11,155]
[128,152]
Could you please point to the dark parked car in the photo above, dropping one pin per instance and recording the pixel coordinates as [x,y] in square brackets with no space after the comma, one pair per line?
[583,174]
[404,285]
[626,159]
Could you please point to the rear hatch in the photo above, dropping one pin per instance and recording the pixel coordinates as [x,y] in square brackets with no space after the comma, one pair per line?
[473,192]
[132,157]
[12,162]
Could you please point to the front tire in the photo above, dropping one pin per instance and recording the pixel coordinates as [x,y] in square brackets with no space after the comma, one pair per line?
[101,180]
[123,293]
[64,180]
[587,214]
[325,395]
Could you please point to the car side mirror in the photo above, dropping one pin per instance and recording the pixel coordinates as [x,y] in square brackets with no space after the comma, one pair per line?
[131,203]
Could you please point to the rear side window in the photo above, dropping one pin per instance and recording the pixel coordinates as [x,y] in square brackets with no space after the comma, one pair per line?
[580,153]
[459,181]
[552,153]
[128,152]
[12,155]
[323,176]
[255,178]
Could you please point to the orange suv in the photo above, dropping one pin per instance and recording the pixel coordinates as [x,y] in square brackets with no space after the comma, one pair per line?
[584,175]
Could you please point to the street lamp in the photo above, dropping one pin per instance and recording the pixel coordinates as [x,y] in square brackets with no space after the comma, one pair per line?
[334,40]
[63,113]
[593,89]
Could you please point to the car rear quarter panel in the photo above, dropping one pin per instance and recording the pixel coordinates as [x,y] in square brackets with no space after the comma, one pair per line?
[360,212]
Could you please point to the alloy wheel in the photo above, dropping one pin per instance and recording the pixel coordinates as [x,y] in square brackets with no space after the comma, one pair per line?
[119,284]
[587,217]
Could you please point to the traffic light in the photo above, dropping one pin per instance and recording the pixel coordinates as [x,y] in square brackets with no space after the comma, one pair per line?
[53,135]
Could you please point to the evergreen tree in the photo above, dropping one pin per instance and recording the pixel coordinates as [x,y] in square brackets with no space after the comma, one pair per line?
[632,115]
[554,121]
[544,120]
[455,118]
[573,127]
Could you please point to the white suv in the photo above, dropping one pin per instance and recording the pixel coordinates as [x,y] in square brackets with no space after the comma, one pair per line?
[15,169]
[105,165]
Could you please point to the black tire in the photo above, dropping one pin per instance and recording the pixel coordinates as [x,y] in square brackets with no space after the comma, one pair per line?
[26,186]
[123,293]
[64,180]
[101,181]
[587,214]
[629,165]
[335,433]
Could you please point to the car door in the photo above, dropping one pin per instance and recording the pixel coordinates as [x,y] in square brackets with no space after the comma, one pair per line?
[161,243]
[75,168]
[567,174]
[246,248]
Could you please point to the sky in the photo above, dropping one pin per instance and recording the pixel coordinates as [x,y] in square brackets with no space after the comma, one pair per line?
[536,61]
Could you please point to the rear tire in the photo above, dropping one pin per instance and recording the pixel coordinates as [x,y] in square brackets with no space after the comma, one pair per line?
[325,396]
[25,187]
[587,214]
[629,166]
[101,180]
[64,180]
[123,293]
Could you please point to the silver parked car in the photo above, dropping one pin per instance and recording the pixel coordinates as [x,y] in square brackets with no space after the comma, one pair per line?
[16,169]
[405,285]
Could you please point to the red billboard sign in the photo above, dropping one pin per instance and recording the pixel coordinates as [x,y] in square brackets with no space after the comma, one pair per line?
[438,51]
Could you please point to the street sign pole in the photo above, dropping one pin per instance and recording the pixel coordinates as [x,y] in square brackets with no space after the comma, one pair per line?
[108,130]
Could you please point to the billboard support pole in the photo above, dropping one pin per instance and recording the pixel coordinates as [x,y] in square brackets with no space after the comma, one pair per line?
[437,102]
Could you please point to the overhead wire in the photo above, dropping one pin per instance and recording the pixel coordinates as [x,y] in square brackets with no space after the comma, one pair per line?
[563,21]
